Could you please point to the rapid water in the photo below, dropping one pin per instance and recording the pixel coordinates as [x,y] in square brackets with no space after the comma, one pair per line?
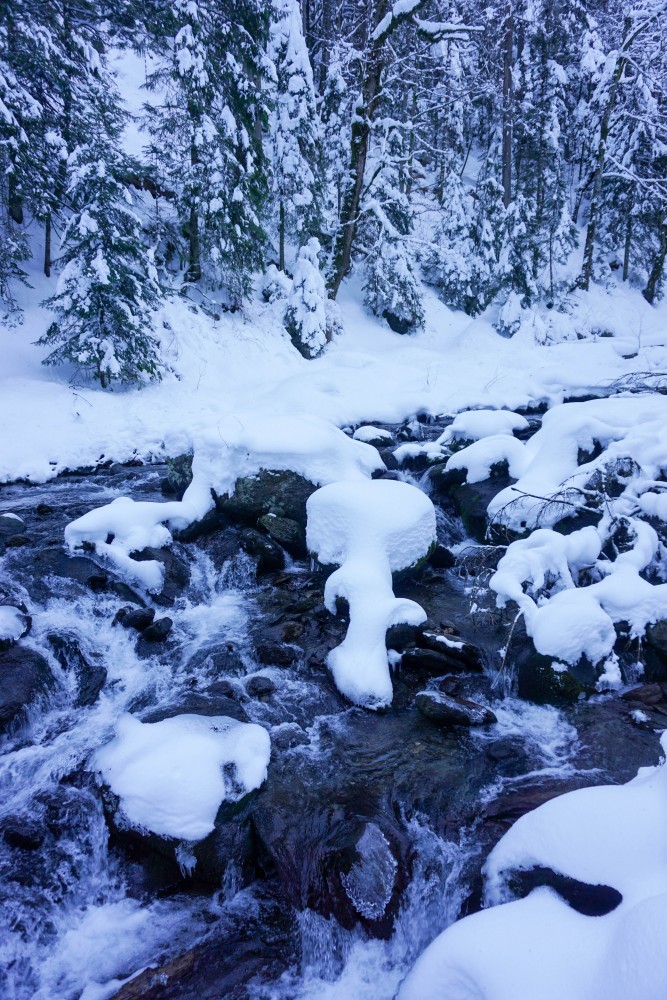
[80,914]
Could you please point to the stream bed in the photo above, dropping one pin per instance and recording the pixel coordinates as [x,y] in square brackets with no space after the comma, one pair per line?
[366,840]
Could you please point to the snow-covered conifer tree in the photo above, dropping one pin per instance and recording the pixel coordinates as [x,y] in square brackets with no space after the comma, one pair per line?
[108,286]
[207,134]
[306,318]
[295,128]
[449,263]
[391,283]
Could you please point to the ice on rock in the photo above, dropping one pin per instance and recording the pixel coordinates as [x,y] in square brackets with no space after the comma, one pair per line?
[169,775]
[540,947]
[238,446]
[369,529]
[370,881]
[12,623]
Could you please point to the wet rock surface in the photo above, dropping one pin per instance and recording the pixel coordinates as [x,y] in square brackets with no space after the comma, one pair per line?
[24,674]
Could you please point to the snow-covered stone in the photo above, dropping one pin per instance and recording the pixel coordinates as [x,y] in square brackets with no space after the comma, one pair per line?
[539,947]
[169,775]
[369,529]
[472,425]
[13,625]
[541,575]
[236,448]
[372,435]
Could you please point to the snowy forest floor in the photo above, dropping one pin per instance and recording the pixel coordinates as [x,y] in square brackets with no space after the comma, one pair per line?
[51,421]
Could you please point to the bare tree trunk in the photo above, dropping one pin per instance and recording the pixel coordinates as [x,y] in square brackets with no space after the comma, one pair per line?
[193,272]
[281,238]
[360,136]
[47,245]
[628,246]
[654,277]
[508,111]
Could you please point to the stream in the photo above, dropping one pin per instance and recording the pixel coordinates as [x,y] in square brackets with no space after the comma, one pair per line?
[367,838]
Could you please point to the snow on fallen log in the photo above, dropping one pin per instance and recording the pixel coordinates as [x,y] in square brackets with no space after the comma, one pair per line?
[612,835]
[239,446]
[548,465]
[169,775]
[369,529]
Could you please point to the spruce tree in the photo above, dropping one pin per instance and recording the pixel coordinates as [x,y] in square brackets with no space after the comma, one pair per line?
[207,134]
[108,284]
[295,129]
[391,282]
[306,314]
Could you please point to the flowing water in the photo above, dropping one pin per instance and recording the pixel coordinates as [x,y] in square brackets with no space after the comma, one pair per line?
[83,910]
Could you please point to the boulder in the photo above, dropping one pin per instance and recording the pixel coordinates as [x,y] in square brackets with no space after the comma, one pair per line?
[270,557]
[57,562]
[276,654]
[17,541]
[176,573]
[260,686]
[285,531]
[179,476]
[10,524]
[433,663]
[645,694]
[454,649]
[472,500]
[207,525]
[220,659]
[444,710]
[20,623]
[281,493]
[136,618]
[24,674]
[158,631]
[655,651]
[91,677]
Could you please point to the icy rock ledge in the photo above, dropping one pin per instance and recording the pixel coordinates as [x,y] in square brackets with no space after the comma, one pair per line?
[612,835]
[369,529]
[169,775]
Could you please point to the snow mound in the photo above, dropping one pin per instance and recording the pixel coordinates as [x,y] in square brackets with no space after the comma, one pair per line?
[371,434]
[479,457]
[540,947]
[236,447]
[369,529]
[471,425]
[566,620]
[169,775]
[12,623]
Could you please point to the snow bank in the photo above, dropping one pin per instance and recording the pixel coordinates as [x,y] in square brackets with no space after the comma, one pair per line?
[369,529]
[539,946]
[239,446]
[169,775]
